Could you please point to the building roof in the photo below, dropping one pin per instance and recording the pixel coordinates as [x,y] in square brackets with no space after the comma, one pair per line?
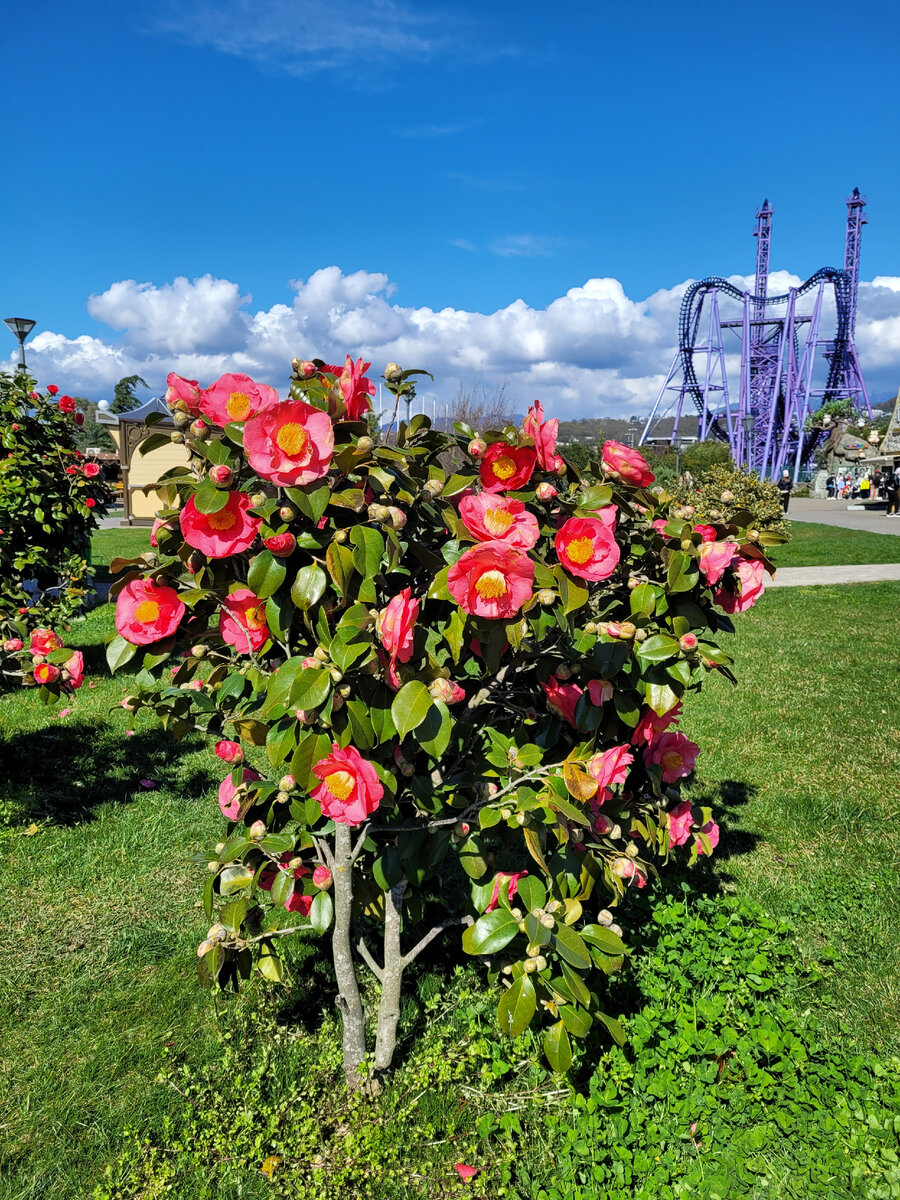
[136,415]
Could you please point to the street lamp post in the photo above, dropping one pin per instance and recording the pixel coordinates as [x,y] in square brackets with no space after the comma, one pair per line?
[748,420]
[20,327]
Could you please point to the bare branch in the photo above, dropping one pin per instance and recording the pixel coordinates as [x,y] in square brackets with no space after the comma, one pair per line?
[358,845]
[324,852]
[431,935]
[366,955]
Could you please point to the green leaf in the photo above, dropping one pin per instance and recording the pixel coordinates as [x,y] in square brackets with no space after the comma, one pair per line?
[279,615]
[433,734]
[455,632]
[270,965]
[368,550]
[491,932]
[643,599]
[558,1048]
[362,735]
[153,442]
[281,741]
[572,594]
[410,707]
[517,1006]
[119,652]
[309,587]
[210,499]
[571,947]
[266,574]
[438,589]
[234,878]
[322,912]
[576,1020]
[614,1027]
[339,561]
[682,572]
[604,939]
[282,887]
[387,870]
[531,892]
[661,698]
[311,750]
[312,501]
[658,648]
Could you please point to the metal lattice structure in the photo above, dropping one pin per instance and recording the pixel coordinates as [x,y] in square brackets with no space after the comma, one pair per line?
[754,378]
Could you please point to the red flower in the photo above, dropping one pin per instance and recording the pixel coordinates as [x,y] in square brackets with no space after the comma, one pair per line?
[491,580]
[499,518]
[505,466]
[680,822]
[396,626]
[236,398]
[512,881]
[298,903]
[91,502]
[79,419]
[610,767]
[71,470]
[356,389]
[230,752]
[543,433]
[91,470]
[586,548]
[186,390]
[750,580]
[147,613]
[46,673]
[242,621]
[44,641]
[350,789]
[269,873]
[52,389]
[74,669]
[66,404]
[290,443]
[280,544]
[650,726]
[707,533]
[626,464]
[229,802]
[562,698]
[220,534]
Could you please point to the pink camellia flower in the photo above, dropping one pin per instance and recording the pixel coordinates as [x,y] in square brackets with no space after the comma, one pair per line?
[500,879]
[543,434]
[147,613]
[650,726]
[356,388]
[90,502]
[630,871]
[675,753]
[298,903]
[711,829]
[680,821]
[280,544]
[751,583]
[236,398]
[626,464]
[446,690]
[562,698]
[221,475]
[66,404]
[290,443]
[464,1171]
[499,518]
[63,712]
[660,526]
[187,390]
[74,669]
[44,641]
[220,534]
[491,580]
[230,752]
[707,533]
[229,802]
[545,491]
[13,645]
[350,789]
[322,878]
[600,690]
[504,466]
[157,525]
[713,558]
[46,673]
[91,470]
[396,626]
[587,548]
[477,447]
[610,767]
[242,621]
[607,516]
[71,470]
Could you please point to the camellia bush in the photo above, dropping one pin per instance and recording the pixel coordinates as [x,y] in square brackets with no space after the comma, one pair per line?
[50,500]
[724,491]
[457,669]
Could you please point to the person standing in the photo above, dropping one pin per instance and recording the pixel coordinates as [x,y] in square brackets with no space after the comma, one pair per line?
[877,481]
[892,490]
[784,486]
[830,486]
[864,485]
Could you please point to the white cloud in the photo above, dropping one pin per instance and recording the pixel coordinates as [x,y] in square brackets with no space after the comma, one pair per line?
[594,351]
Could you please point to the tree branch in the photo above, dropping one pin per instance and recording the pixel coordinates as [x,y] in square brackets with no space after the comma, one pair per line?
[324,852]
[360,841]
[431,935]
[366,955]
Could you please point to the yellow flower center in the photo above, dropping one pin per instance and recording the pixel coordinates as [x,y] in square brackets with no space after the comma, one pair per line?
[672,760]
[497,521]
[491,585]
[223,519]
[580,550]
[340,784]
[504,466]
[238,406]
[292,438]
[146,612]
[255,617]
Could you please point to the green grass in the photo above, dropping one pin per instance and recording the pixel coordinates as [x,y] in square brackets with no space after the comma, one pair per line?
[99,920]
[814,545]
[107,544]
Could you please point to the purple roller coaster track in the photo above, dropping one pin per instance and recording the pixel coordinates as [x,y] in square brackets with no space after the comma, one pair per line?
[788,363]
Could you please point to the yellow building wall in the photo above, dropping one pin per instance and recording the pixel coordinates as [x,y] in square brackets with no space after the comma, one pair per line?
[147,469]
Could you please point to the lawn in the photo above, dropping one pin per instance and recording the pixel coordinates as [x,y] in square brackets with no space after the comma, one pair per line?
[112,1056]
[814,545]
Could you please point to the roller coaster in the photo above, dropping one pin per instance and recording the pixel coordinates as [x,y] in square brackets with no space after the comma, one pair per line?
[788,363]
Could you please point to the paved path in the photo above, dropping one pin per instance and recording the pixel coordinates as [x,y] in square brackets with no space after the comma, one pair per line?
[816,576]
[835,512]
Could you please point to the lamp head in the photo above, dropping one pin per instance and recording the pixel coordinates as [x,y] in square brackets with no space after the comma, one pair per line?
[19,327]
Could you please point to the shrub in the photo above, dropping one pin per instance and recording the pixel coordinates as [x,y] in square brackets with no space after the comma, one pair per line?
[724,492]
[465,683]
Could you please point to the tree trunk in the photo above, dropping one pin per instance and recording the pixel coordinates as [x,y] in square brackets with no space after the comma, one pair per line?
[391,978]
[348,999]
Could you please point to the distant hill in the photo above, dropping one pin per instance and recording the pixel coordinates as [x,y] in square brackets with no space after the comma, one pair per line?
[593,429]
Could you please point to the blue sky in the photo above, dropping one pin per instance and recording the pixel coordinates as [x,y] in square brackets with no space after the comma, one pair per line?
[474,154]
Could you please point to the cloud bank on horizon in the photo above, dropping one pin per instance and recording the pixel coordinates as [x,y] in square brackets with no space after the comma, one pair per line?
[593,352]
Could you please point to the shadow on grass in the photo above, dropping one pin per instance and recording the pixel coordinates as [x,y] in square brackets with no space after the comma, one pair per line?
[62,774]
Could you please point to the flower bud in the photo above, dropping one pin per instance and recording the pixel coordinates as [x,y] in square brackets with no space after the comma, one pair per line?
[546,596]
[321,654]
[257,830]
[405,767]
[392,372]
[687,544]
[221,474]
[199,651]
[303,715]
[364,445]
[614,928]
[477,447]
[726,496]
[545,491]
[337,702]
[287,512]
[282,545]
[321,878]
[688,642]
[753,535]
[212,865]
[559,465]
[305,369]
[529,966]
[433,487]
[564,671]
[181,420]
[177,438]
[335,675]
[398,517]
[287,783]
[217,933]
[204,948]
[200,430]
[540,963]
[640,635]
[229,752]
[258,499]
[11,645]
